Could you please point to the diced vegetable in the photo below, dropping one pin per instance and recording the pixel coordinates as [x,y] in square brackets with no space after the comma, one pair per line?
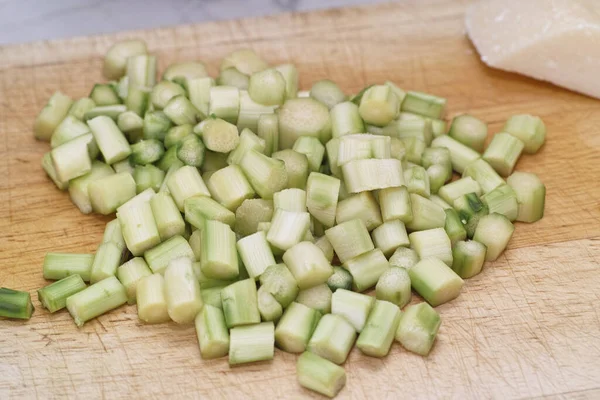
[418,327]
[435,281]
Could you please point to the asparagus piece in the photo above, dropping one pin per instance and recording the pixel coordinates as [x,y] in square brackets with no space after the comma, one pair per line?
[163,92]
[294,329]
[268,306]
[432,243]
[267,128]
[440,202]
[130,274]
[110,192]
[246,61]
[395,204]
[437,175]
[404,257]
[255,253]
[468,258]
[327,92]
[303,117]
[106,261]
[345,119]
[362,206]
[104,95]
[435,281]
[185,183]
[503,153]
[296,166]
[199,93]
[453,190]
[372,174]
[484,174]
[469,131]
[266,175]
[290,200]
[312,148]
[233,77]
[494,231]
[156,125]
[366,269]
[377,336]
[361,146]
[151,300]
[15,304]
[317,297]
[185,71]
[502,200]
[417,181]
[200,209]
[267,87]
[290,75]
[426,214]
[308,264]
[240,303]
[80,107]
[379,105]
[250,213]
[219,135]
[68,129]
[332,339]
[54,296]
[322,197]
[279,281]
[349,239]
[230,187]
[73,159]
[320,375]
[184,300]
[48,166]
[225,103]
[160,256]
[389,236]
[410,128]
[213,336]
[212,296]
[394,286]
[529,129]
[470,210]
[251,343]
[418,328]
[248,141]
[413,149]
[325,246]
[341,279]
[58,266]
[115,60]
[424,104]
[51,115]
[96,300]
[454,227]
[111,112]
[460,155]
[288,228]
[112,143]
[139,228]
[166,216]
[354,307]
[531,196]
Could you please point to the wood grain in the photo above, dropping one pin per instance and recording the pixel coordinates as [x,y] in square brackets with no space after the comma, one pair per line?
[527,327]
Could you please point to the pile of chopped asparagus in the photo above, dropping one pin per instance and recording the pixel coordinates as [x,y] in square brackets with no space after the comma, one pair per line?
[262,214]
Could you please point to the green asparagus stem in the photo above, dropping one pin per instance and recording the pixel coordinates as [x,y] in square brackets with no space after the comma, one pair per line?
[15,304]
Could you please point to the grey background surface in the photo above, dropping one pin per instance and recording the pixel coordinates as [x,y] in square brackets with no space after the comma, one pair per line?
[30,20]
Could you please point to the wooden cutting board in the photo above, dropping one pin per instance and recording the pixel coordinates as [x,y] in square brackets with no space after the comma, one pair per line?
[527,326]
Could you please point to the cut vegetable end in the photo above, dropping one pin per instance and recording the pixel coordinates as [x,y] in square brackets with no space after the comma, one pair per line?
[15,304]
[252,343]
[320,374]
[435,281]
[418,328]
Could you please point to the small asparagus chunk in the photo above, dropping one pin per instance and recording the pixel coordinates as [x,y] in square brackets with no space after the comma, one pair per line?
[470,210]
[78,187]
[350,239]
[268,306]
[312,148]
[290,75]
[454,227]
[104,95]
[529,129]
[366,269]
[267,87]
[159,257]
[219,135]
[147,177]
[166,216]
[401,94]
[233,77]
[326,247]
[248,141]
[432,243]
[469,257]
[296,166]
[177,134]
[246,61]
[225,103]
[111,141]
[130,274]
[469,131]
[296,326]
[460,155]
[503,152]
[111,112]
[250,213]
[531,195]
[413,149]
[379,105]
[213,336]
[251,343]
[308,264]
[61,265]
[424,104]
[230,187]
[106,261]
[190,151]
[354,307]
[346,119]
[240,303]
[341,279]
[440,202]
[151,300]
[51,116]
[96,300]
[185,71]
[163,92]
[212,296]
[404,257]
[397,149]
[502,200]
[139,228]
[377,336]
[266,175]
[199,94]
[317,297]
[426,214]
[395,204]
[54,296]
[435,281]
[327,92]
[141,70]
[218,258]
[255,253]
[288,228]
[322,197]
[156,125]
[48,166]
[115,60]
[68,129]
[494,231]
[417,181]
[483,174]
[453,190]
[146,152]
[418,327]
[137,99]
[279,281]
[195,242]
[332,148]
[185,183]
[437,156]
[207,282]
[182,290]
[332,339]
[372,174]
[110,192]
[80,107]
[362,146]
[199,209]
[394,286]
[181,111]
[267,128]
[73,159]
[290,200]
[410,128]
[319,374]
[140,198]
[303,117]
[214,161]
[16,304]
[437,175]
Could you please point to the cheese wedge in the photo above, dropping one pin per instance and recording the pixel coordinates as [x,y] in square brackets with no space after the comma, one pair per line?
[552,40]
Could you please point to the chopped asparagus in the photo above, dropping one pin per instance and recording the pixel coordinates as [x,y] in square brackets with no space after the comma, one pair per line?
[454,227]
[470,210]
[255,253]
[394,286]
[267,87]
[182,289]
[366,269]
[325,246]
[54,296]
[395,204]
[419,325]
[251,343]
[240,303]
[389,236]
[435,281]
[502,200]
[468,258]
[322,197]
[531,195]
[61,265]
[332,339]
[317,297]
[354,307]
[372,174]
[469,131]
[503,153]
[279,281]
[350,239]
[426,214]
[432,243]
[296,166]
[268,306]
[424,104]
[233,77]
[267,128]
[199,209]
[308,264]
[494,231]
[361,206]
[453,190]
[460,155]
[151,300]
[290,75]
[96,300]
[15,304]
[417,181]
[303,117]
[290,200]
[404,257]
[288,228]
[130,274]
[246,61]
[296,326]
[250,213]
[115,60]
[320,374]
[213,336]
[484,174]
[266,175]
[345,119]
[377,336]
[529,129]
[51,116]
[379,105]
[159,257]
[312,148]
[341,279]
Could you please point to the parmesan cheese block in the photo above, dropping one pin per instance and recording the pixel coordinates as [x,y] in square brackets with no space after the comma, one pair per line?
[551,40]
